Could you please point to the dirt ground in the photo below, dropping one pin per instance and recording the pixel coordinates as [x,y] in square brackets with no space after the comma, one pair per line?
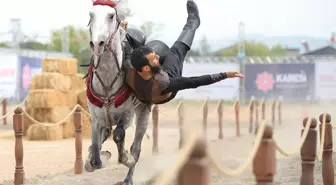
[51,162]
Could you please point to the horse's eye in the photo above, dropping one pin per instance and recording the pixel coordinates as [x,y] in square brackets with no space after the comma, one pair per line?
[111,16]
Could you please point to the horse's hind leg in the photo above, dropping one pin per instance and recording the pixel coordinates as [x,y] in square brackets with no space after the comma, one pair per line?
[119,135]
[142,115]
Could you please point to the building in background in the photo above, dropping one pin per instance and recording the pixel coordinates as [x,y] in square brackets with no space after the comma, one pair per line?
[17,68]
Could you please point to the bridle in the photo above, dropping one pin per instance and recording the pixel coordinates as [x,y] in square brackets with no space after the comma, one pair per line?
[107,47]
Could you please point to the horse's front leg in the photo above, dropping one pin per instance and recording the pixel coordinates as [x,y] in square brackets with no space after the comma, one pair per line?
[142,114]
[119,135]
[100,131]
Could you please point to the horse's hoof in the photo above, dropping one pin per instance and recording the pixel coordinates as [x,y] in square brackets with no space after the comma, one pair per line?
[128,182]
[104,157]
[88,166]
[128,160]
[96,163]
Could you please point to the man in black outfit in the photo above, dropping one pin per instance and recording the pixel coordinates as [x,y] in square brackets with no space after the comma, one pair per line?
[154,83]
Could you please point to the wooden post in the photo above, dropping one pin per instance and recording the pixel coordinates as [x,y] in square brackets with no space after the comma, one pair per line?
[263,109]
[19,175]
[155,119]
[264,163]
[196,171]
[181,123]
[205,117]
[237,107]
[78,169]
[4,110]
[308,153]
[327,162]
[220,120]
[280,110]
[257,109]
[251,115]
[273,112]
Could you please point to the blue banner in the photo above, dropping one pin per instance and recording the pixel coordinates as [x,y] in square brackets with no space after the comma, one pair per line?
[270,81]
[28,67]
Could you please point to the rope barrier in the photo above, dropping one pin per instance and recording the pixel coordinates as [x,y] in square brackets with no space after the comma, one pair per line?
[12,110]
[302,140]
[244,166]
[52,124]
[169,175]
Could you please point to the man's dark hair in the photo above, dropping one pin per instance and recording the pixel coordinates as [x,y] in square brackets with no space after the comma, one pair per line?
[138,57]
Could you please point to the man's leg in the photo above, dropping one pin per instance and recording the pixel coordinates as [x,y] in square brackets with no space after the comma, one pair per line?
[173,63]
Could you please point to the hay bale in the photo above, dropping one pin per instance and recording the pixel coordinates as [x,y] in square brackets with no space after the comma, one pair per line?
[41,132]
[82,99]
[48,98]
[54,81]
[26,121]
[69,129]
[86,125]
[51,115]
[66,66]
[77,82]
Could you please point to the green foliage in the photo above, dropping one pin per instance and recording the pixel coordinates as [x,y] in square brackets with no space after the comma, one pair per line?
[34,45]
[151,29]
[253,49]
[204,46]
[78,44]
[4,45]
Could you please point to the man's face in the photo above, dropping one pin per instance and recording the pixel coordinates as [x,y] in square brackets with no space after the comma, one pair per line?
[153,60]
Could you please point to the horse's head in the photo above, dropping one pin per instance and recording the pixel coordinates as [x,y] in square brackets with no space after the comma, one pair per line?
[105,18]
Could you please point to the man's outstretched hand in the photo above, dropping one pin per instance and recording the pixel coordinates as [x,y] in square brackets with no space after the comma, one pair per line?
[234,74]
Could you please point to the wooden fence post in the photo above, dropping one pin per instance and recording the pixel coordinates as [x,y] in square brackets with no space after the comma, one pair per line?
[78,168]
[280,110]
[220,120]
[251,115]
[263,109]
[327,162]
[237,109]
[308,153]
[256,121]
[205,117]
[180,112]
[273,112]
[155,118]
[197,170]
[19,175]
[4,110]
[264,163]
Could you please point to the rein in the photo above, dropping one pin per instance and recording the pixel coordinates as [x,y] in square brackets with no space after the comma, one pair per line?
[106,89]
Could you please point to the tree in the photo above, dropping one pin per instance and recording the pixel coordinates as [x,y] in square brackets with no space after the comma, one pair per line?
[34,45]
[4,45]
[78,44]
[252,48]
[204,46]
[151,29]
[192,53]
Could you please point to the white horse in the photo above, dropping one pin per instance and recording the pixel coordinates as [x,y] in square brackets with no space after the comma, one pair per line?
[111,102]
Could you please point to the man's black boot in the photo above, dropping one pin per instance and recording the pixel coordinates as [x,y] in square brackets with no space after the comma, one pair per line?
[193,22]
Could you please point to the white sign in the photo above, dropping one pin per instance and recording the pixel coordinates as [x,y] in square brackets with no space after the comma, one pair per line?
[325,80]
[8,74]
[227,89]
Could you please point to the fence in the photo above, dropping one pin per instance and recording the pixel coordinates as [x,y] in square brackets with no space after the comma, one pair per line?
[195,158]
[267,77]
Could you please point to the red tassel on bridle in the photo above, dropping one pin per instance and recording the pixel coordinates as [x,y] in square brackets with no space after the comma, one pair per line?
[105,3]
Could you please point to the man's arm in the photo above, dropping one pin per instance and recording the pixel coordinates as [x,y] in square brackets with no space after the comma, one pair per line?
[180,83]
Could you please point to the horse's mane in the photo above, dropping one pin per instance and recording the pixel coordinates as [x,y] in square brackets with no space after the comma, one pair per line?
[123,9]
